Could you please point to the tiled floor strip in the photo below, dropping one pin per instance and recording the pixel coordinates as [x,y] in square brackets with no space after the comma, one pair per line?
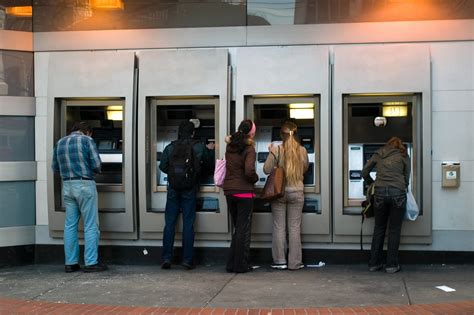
[13,306]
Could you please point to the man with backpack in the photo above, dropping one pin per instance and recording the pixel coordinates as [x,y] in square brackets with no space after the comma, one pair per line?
[182,161]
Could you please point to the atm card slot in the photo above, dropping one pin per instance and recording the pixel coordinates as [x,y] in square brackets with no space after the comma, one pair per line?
[355,175]
[207,204]
[260,205]
[311,206]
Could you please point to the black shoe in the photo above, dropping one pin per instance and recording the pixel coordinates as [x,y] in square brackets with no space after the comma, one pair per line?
[72,268]
[375,268]
[96,268]
[188,266]
[394,269]
[166,264]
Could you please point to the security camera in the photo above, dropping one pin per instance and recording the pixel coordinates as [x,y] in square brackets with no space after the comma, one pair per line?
[380,121]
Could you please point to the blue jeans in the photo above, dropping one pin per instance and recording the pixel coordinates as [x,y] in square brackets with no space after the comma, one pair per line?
[389,206]
[184,200]
[80,198]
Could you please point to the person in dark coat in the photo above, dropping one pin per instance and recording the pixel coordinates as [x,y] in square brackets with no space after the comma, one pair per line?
[239,191]
[393,176]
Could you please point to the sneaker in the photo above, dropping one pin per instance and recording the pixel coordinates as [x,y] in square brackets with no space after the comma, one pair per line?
[279,266]
[394,269]
[72,268]
[166,264]
[300,266]
[188,266]
[96,268]
[375,268]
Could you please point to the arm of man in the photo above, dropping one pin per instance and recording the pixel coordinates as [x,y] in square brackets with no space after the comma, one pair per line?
[55,164]
[165,159]
[94,157]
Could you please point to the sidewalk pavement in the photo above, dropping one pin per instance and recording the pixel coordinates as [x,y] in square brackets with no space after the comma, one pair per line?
[343,289]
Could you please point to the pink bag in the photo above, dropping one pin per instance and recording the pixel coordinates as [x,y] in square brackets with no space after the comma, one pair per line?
[219,172]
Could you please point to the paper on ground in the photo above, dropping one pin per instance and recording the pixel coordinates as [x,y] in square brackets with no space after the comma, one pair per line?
[445,288]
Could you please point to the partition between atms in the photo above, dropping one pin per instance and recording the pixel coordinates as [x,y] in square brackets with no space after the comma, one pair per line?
[107,105]
[379,95]
[269,113]
[176,86]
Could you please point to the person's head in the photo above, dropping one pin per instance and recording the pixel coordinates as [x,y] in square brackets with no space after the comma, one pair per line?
[397,143]
[243,136]
[83,127]
[186,129]
[291,147]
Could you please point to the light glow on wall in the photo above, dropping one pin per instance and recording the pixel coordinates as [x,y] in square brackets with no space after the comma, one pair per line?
[107,4]
[24,11]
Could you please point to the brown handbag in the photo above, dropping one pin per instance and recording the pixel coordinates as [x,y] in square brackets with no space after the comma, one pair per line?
[275,185]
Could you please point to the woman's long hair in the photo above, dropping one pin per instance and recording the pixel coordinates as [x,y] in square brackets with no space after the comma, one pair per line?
[397,143]
[291,148]
[240,139]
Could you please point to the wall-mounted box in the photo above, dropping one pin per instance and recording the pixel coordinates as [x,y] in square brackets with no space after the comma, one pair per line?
[451,174]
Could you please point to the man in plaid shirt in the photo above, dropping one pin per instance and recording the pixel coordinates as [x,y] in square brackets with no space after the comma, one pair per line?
[76,159]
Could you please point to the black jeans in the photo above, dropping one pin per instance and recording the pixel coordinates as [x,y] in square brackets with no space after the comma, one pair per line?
[389,206]
[240,210]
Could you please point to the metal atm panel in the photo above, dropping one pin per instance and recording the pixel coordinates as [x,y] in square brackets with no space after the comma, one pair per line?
[72,88]
[178,85]
[268,114]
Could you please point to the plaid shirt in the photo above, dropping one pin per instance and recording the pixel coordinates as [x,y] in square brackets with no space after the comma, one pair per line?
[75,156]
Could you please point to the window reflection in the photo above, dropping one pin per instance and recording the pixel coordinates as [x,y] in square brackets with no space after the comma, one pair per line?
[17,138]
[76,15]
[16,73]
[15,22]
[274,12]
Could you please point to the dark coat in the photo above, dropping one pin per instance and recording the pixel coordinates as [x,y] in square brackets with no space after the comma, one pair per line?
[240,174]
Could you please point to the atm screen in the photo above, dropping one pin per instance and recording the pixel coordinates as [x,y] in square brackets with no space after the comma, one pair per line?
[105,145]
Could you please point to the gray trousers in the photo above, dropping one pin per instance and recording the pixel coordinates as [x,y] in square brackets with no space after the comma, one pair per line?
[286,213]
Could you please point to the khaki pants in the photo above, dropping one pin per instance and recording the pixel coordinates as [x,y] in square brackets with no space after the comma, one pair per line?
[287,211]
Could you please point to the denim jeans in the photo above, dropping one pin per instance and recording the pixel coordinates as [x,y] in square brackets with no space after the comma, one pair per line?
[240,210]
[184,200]
[389,207]
[80,199]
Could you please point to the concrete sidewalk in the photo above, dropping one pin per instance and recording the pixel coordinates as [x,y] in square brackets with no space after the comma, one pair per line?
[209,286]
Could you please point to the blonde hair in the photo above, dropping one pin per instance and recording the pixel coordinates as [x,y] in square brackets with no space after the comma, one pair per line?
[291,149]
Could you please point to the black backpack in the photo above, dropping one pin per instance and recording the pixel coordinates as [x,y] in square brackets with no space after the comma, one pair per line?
[183,167]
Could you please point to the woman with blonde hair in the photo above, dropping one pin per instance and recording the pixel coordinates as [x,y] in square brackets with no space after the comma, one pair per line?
[287,211]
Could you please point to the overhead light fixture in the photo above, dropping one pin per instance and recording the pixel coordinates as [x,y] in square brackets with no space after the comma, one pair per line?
[115,112]
[23,11]
[107,4]
[302,105]
[302,113]
[395,110]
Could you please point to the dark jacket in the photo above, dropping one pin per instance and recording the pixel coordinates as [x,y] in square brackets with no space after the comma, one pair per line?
[201,154]
[240,174]
[393,168]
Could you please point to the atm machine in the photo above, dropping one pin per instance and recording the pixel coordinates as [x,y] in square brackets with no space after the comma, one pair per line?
[110,126]
[370,123]
[165,120]
[269,113]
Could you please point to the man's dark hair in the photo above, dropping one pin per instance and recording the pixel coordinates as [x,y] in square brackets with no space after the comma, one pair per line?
[82,127]
[186,129]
